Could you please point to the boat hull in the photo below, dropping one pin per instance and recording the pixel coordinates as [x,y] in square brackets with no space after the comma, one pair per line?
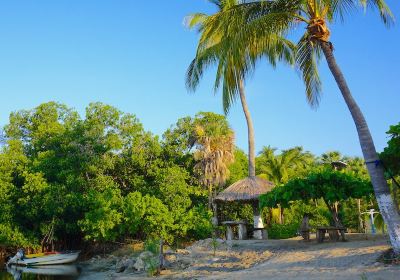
[53,259]
[53,270]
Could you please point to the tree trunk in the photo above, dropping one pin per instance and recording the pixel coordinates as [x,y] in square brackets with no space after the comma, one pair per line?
[250,130]
[335,215]
[161,257]
[215,209]
[210,197]
[360,220]
[375,169]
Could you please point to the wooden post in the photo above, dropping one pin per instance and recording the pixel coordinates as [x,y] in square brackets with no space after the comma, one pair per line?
[360,221]
[242,231]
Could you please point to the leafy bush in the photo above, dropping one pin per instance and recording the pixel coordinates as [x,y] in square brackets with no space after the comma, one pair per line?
[11,236]
[285,231]
[200,226]
[152,245]
[104,215]
[152,262]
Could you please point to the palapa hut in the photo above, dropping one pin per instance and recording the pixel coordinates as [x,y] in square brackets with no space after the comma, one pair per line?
[248,191]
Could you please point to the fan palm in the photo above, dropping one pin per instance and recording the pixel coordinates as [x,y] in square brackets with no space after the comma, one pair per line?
[214,141]
[233,65]
[268,17]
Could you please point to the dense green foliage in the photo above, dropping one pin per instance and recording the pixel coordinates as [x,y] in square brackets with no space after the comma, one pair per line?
[391,154]
[104,178]
[277,231]
[284,166]
[330,185]
[99,178]
[334,188]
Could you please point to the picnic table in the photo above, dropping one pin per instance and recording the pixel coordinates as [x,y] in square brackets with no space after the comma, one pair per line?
[332,231]
[242,229]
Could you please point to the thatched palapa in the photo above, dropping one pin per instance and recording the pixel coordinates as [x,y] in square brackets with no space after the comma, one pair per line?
[248,189]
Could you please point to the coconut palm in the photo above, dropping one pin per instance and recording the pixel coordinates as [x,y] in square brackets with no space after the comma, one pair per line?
[280,168]
[269,17]
[232,67]
[329,157]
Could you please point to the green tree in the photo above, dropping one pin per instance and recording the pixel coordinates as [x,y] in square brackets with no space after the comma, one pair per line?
[280,168]
[357,166]
[391,154]
[93,176]
[391,159]
[330,185]
[148,214]
[104,215]
[239,169]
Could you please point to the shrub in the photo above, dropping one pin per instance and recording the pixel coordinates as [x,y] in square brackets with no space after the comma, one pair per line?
[200,226]
[152,245]
[285,231]
[11,236]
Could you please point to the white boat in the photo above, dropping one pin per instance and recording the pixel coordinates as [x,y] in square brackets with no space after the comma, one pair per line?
[50,258]
[53,270]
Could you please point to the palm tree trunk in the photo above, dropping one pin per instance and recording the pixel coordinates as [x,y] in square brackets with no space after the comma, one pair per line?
[257,220]
[382,192]
[250,130]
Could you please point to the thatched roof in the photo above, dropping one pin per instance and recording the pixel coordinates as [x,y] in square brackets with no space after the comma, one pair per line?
[248,189]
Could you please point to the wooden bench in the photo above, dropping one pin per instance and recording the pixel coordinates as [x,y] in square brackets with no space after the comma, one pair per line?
[242,229]
[332,231]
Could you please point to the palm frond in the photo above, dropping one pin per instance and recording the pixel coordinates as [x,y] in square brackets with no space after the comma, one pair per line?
[343,8]
[307,57]
[230,42]
[384,10]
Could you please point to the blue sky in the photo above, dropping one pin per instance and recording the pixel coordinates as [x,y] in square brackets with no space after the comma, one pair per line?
[133,55]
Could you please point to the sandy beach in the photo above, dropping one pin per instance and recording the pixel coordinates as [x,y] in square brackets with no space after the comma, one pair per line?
[274,259]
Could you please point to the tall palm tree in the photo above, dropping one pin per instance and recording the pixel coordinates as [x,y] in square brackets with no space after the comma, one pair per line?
[268,17]
[232,67]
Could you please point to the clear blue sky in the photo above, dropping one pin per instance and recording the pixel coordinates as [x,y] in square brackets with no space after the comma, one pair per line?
[133,55]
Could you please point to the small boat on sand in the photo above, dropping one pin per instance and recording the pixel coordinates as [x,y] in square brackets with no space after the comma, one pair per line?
[49,258]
